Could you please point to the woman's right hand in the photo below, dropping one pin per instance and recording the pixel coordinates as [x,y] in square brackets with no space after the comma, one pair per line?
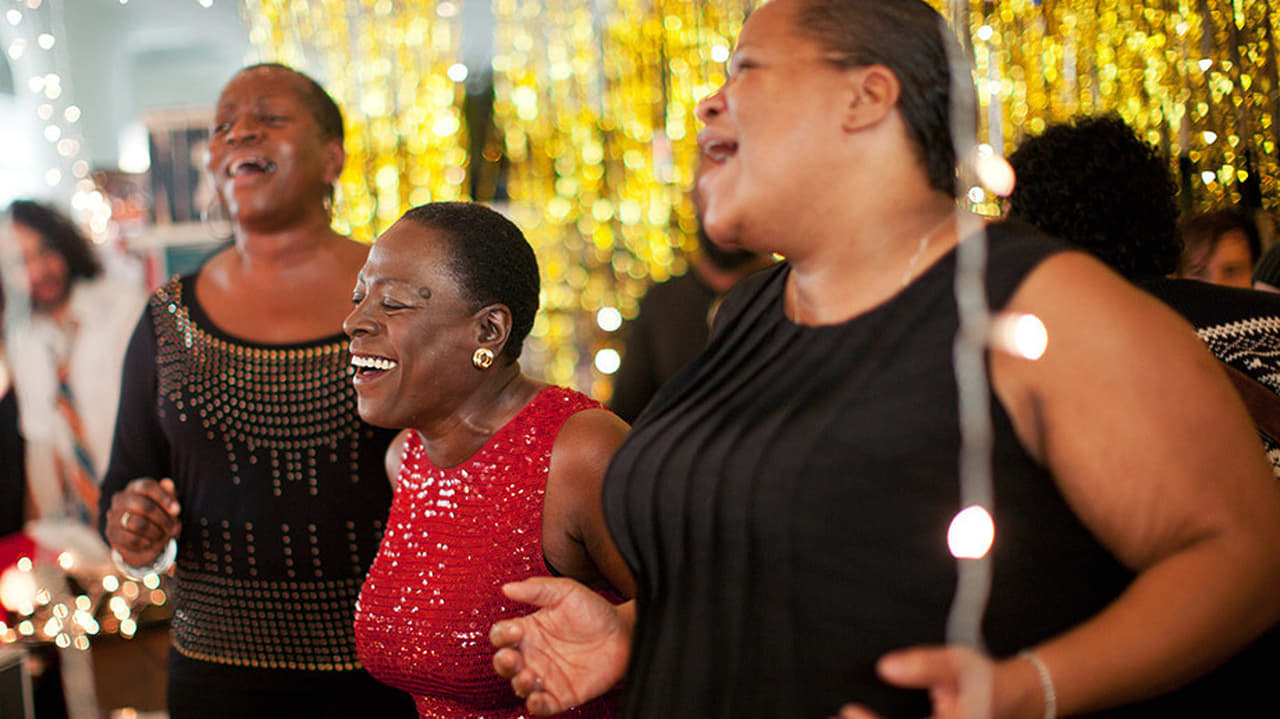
[142,519]
[573,649]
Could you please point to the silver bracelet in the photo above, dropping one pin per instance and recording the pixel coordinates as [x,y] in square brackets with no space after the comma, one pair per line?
[159,566]
[1046,682]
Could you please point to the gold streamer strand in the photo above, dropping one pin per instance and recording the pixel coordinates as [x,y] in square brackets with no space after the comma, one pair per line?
[387,64]
[594,106]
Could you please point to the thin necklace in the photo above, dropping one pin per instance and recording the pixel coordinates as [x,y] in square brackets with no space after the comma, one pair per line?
[909,273]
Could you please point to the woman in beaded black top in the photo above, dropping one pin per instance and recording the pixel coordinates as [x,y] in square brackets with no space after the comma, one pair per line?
[785,501]
[238,448]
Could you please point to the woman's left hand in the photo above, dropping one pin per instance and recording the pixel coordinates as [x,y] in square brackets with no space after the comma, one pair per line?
[961,683]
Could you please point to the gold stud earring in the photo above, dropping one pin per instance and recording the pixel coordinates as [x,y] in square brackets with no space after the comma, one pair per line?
[483,358]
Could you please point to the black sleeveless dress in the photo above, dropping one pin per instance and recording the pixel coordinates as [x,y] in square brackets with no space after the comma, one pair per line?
[785,500]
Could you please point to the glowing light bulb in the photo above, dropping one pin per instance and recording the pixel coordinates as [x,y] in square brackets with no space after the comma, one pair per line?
[607,361]
[994,171]
[609,319]
[18,591]
[1023,335]
[971,533]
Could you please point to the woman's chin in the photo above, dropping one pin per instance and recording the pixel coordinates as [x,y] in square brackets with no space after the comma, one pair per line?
[720,232]
[373,414]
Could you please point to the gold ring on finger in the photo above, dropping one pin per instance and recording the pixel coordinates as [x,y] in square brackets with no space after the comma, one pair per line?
[124,519]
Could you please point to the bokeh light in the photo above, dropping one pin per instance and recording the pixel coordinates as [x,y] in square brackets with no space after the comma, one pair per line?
[971,534]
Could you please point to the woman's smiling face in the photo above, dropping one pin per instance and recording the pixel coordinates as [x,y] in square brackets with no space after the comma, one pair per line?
[413,330]
[268,155]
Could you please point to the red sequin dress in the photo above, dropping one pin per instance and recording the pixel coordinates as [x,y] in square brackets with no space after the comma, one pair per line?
[454,537]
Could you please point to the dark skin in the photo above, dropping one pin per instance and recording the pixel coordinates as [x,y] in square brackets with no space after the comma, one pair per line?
[411,312]
[273,168]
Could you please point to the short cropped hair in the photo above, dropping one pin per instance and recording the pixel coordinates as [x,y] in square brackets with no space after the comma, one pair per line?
[491,259]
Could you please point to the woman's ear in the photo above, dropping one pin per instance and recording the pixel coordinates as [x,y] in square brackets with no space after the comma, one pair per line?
[334,158]
[873,92]
[494,327]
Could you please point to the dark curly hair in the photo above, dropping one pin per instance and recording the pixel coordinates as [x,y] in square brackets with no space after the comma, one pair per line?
[491,260]
[1094,183]
[59,234]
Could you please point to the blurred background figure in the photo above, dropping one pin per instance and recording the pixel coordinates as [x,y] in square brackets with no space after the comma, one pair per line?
[1266,274]
[1094,183]
[13,478]
[674,322]
[68,323]
[66,359]
[1220,247]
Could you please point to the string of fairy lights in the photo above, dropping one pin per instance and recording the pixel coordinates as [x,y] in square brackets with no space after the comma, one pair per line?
[593,105]
[67,600]
[33,49]
[69,605]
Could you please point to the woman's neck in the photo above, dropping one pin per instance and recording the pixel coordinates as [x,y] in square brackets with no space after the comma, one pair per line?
[853,266]
[492,405]
[286,248]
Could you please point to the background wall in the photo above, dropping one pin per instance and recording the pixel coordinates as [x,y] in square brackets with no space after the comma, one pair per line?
[116,62]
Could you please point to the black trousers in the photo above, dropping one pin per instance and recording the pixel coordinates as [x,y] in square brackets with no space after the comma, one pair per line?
[347,694]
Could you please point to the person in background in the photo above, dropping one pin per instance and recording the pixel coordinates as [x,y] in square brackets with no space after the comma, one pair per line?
[1094,183]
[66,359]
[239,452]
[497,475]
[674,321]
[1266,274]
[13,463]
[1220,247]
[785,501]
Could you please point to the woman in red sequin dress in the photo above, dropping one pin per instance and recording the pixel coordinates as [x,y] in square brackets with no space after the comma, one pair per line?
[496,475]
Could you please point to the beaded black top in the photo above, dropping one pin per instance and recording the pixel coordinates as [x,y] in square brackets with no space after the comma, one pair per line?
[282,487]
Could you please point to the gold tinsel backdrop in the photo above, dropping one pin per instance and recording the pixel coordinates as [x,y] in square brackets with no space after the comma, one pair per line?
[590,142]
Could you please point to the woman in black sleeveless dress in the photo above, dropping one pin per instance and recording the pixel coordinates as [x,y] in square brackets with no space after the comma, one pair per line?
[785,501]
